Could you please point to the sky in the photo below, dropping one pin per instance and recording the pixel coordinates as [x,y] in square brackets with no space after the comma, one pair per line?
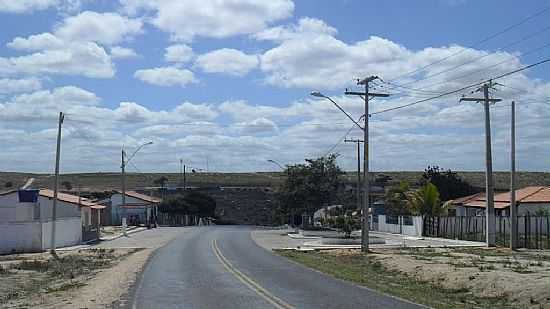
[225,85]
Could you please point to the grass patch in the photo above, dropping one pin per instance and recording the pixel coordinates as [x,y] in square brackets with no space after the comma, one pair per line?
[371,273]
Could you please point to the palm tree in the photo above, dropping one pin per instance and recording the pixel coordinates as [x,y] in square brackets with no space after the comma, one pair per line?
[425,201]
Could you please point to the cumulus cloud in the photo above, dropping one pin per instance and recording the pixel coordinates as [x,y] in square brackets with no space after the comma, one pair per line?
[19,85]
[227,61]
[179,53]
[25,6]
[118,52]
[166,76]
[187,19]
[103,28]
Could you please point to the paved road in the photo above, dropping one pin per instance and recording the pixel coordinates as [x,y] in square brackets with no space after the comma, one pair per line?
[222,267]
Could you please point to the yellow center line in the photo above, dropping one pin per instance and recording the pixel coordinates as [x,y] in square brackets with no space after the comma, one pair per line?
[246,280]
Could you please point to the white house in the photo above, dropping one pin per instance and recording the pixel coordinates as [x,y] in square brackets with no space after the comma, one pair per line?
[529,200]
[140,208]
[26,220]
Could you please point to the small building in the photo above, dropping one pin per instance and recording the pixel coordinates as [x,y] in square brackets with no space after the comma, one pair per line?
[26,220]
[529,200]
[140,208]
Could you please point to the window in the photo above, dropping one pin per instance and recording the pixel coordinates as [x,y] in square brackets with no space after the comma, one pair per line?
[407,220]
[392,220]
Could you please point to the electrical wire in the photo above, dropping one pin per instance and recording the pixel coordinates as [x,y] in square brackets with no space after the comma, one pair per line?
[532,16]
[463,88]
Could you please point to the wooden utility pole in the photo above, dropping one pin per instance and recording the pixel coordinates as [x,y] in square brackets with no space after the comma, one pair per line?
[358,141]
[56,184]
[489,187]
[513,206]
[365,224]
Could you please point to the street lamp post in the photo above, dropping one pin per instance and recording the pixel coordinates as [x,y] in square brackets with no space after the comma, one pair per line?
[291,219]
[365,128]
[124,162]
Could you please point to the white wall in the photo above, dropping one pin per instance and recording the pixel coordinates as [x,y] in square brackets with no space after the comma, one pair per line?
[400,228]
[20,237]
[68,232]
[8,204]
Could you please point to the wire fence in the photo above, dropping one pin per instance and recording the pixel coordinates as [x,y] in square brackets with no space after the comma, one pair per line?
[533,232]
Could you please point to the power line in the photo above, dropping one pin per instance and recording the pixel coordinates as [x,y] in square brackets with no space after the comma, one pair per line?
[470,61]
[476,44]
[339,141]
[463,88]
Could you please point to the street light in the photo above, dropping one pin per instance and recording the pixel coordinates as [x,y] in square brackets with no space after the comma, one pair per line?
[320,95]
[124,162]
[276,163]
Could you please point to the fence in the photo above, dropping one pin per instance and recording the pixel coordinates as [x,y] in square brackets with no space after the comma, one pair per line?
[533,232]
[176,219]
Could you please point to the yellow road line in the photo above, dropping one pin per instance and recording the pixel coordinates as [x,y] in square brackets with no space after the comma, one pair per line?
[246,280]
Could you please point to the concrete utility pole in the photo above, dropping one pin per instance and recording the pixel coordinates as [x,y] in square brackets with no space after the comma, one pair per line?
[513,206]
[123,185]
[489,187]
[56,183]
[366,179]
[181,172]
[358,141]
[124,162]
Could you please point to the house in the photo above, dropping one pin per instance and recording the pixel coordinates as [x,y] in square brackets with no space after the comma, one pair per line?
[140,208]
[529,200]
[26,220]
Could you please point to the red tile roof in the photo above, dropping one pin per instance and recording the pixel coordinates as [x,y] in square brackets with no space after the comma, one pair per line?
[534,194]
[142,197]
[72,199]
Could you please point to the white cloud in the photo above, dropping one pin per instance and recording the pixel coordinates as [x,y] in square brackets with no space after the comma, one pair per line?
[19,85]
[166,76]
[29,6]
[76,58]
[187,19]
[25,6]
[306,27]
[227,61]
[179,53]
[256,126]
[103,28]
[118,52]
[37,42]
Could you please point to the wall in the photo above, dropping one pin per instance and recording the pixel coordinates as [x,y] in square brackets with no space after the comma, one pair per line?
[20,237]
[400,228]
[116,211]
[68,232]
[8,205]
[63,209]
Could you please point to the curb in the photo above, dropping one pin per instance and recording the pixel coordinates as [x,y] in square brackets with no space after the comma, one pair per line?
[132,231]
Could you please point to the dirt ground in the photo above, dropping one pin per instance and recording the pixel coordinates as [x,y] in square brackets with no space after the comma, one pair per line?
[522,277]
[88,278]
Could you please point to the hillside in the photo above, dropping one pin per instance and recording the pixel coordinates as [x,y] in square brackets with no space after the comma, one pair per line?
[110,181]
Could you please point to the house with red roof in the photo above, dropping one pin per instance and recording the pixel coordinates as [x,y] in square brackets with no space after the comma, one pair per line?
[26,220]
[140,208]
[529,200]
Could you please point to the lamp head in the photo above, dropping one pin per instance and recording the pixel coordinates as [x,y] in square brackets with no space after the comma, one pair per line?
[317,94]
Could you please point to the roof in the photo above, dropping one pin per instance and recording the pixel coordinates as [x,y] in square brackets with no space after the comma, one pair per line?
[71,199]
[533,194]
[137,205]
[140,196]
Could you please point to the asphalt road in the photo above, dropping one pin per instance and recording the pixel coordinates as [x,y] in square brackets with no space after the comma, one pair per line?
[222,267]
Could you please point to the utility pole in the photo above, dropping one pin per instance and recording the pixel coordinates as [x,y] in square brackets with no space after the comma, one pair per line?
[184,178]
[358,141]
[513,207]
[489,187]
[56,183]
[366,179]
[123,185]
[181,172]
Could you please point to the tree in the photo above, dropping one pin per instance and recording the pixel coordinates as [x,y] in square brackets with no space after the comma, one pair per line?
[161,181]
[67,184]
[310,186]
[193,203]
[8,184]
[425,201]
[449,184]
[396,199]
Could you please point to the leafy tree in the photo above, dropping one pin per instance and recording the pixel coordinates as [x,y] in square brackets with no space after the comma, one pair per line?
[8,184]
[193,203]
[310,186]
[449,184]
[425,201]
[67,185]
[161,181]
[396,199]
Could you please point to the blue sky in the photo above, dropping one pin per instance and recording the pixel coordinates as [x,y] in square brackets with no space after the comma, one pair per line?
[236,87]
